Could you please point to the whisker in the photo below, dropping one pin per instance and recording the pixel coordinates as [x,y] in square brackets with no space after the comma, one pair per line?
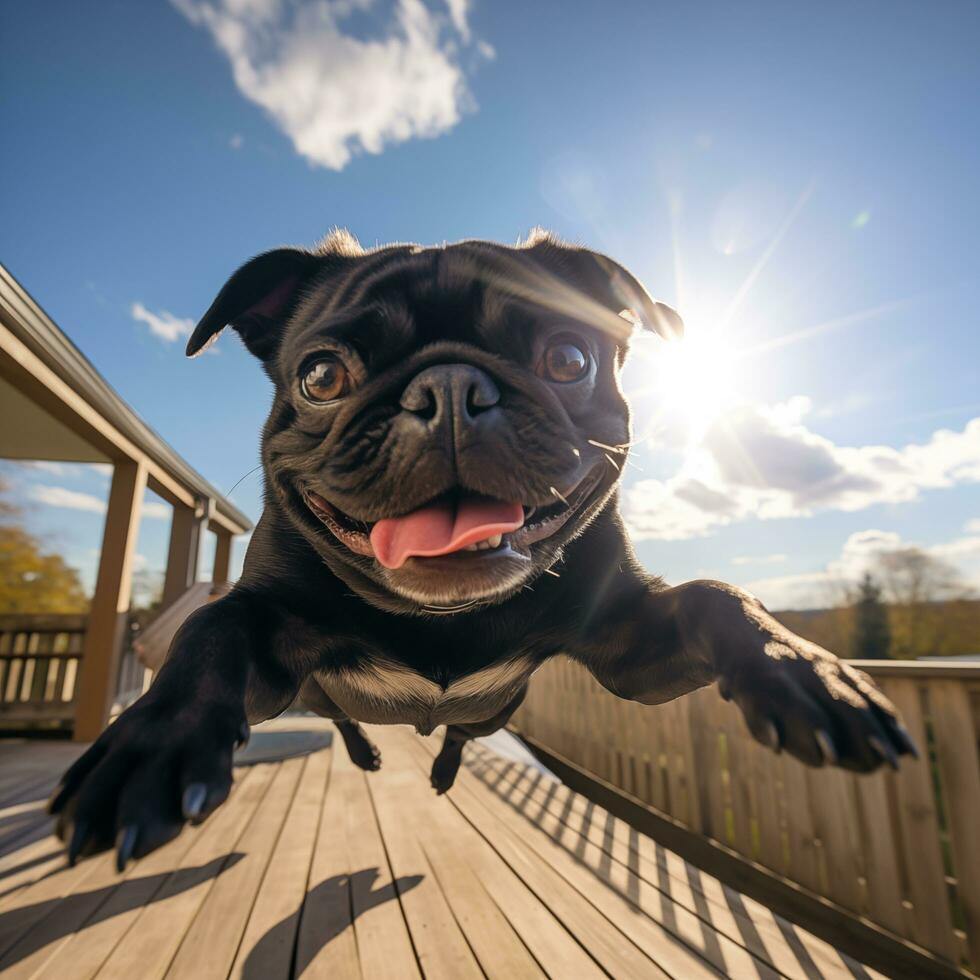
[248,474]
[612,462]
[612,449]
[548,571]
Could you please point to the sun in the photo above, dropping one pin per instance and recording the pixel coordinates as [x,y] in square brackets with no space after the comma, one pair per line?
[686,384]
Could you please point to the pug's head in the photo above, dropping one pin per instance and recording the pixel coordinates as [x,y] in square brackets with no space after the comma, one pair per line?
[445,419]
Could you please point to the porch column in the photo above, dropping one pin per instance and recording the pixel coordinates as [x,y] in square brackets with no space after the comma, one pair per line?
[222,557]
[185,548]
[110,603]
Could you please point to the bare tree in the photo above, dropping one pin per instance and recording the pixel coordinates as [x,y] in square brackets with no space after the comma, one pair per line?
[920,589]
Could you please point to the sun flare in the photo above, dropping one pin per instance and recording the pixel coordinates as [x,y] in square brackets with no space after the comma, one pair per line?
[685,384]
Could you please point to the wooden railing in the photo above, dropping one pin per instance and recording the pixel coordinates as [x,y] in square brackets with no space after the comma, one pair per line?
[39,661]
[898,851]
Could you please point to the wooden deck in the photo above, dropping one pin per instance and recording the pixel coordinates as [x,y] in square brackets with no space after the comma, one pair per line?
[315,869]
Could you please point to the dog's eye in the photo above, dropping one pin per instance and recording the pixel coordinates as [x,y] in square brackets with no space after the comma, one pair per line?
[326,380]
[564,360]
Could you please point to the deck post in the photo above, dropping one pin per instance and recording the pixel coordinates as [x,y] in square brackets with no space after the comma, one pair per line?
[222,557]
[110,603]
[185,548]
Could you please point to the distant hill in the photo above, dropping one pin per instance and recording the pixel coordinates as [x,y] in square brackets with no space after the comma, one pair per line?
[937,629]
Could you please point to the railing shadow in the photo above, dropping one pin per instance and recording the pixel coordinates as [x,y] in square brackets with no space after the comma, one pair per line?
[531,794]
[29,928]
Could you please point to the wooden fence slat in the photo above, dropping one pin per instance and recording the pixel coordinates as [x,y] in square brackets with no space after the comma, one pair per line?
[930,923]
[869,844]
[956,748]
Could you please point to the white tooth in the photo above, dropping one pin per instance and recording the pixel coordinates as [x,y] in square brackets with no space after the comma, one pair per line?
[470,547]
[494,542]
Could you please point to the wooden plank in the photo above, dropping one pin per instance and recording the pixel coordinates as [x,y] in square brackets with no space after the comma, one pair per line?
[833,815]
[621,942]
[804,845]
[439,943]
[211,944]
[557,952]
[956,751]
[29,864]
[326,945]
[707,899]
[930,923]
[884,885]
[80,955]
[156,933]
[25,908]
[706,750]
[383,941]
[266,949]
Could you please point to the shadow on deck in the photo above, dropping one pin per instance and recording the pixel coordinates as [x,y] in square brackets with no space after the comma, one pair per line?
[315,869]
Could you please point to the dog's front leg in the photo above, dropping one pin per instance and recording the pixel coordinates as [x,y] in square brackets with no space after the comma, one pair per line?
[654,644]
[168,758]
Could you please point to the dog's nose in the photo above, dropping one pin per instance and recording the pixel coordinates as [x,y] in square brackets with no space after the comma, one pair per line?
[461,391]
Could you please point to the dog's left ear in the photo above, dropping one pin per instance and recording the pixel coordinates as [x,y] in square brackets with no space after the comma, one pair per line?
[636,303]
[615,287]
[255,300]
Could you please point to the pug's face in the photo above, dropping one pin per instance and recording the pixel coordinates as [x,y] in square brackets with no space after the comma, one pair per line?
[445,419]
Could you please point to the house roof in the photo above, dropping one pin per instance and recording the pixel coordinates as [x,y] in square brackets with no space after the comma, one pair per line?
[66,410]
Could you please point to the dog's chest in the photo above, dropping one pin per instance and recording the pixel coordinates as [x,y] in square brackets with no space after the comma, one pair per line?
[382,691]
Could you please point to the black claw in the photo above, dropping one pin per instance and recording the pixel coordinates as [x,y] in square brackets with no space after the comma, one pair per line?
[194,798]
[125,842]
[79,835]
[58,800]
[884,750]
[826,746]
[772,737]
[244,732]
[905,741]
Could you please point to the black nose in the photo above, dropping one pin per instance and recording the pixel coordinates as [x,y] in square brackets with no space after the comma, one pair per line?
[459,391]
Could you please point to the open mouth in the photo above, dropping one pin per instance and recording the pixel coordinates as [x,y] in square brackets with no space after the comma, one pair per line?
[461,524]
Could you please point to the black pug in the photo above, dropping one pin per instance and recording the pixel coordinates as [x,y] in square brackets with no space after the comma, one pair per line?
[441,465]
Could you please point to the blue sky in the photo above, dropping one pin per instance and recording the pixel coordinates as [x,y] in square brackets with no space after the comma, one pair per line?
[799,181]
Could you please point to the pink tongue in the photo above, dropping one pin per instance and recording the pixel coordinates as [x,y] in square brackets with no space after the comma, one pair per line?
[444,526]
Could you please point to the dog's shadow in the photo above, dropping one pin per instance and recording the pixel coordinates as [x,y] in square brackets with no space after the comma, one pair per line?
[27,928]
[329,908]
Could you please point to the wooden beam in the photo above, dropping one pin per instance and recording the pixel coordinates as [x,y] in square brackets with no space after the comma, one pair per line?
[35,380]
[184,552]
[222,558]
[110,603]
[29,374]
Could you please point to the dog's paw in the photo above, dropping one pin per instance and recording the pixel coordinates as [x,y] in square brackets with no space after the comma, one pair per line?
[362,751]
[444,770]
[801,698]
[365,754]
[154,769]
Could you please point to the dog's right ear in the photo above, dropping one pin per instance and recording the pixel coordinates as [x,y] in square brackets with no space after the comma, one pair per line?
[255,300]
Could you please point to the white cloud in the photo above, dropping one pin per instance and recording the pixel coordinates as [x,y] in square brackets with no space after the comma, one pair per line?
[164,325]
[48,466]
[64,498]
[337,92]
[156,510]
[759,559]
[237,141]
[972,527]
[824,587]
[76,500]
[762,461]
